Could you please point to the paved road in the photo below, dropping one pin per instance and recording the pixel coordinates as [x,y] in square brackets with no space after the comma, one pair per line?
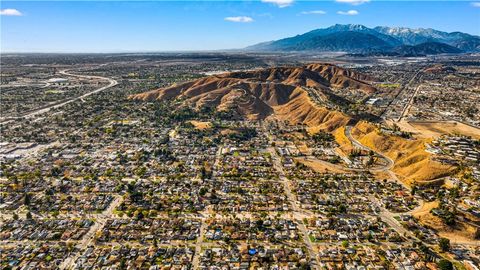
[409,104]
[298,213]
[386,215]
[199,243]
[35,113]
[356,143]
[385,112]
[198,246]
[87,239]
[389,218]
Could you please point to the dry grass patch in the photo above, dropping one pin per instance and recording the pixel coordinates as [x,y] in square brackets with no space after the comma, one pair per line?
[321,166]
[345,146]
[412,162]
[425,209]
[436,129]
[460,233]
[201,125]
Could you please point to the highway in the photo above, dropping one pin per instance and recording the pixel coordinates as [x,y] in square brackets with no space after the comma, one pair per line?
[34,113]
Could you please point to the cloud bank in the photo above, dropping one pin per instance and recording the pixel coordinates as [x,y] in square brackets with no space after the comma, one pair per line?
[10,12]
[279,3]
[348,13]
[239,19]
[317,12]
[353,2]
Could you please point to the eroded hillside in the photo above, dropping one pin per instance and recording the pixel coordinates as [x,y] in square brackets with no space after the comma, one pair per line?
[303,95]
[279,91]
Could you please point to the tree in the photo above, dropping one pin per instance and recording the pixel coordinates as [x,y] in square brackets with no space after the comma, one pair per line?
[445,265]
[370,237]
[454,192]
[122,263]
[139,215]
[444,244]
[424,249]
[29,215]
[449,218]
[345,243]
[26,199]
[477,234]
[70,245]
[414,190]
[342,208]
[203,173]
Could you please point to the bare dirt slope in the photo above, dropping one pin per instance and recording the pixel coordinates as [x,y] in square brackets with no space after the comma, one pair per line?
[460,233]
[281,93]
[278,91]
[436,129]
[412,162]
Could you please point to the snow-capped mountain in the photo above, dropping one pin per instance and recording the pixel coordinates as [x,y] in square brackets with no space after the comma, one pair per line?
[359,38]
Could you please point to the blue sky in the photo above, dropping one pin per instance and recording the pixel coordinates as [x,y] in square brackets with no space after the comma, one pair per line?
[121,26]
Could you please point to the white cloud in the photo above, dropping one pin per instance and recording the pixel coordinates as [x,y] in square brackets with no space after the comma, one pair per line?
[239,19]
[349,13]
[476,4]
[10,12]
[279,3]
[317,12]
[353,2]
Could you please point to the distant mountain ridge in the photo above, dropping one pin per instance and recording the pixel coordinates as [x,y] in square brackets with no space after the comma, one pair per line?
[426,48]
[356,38]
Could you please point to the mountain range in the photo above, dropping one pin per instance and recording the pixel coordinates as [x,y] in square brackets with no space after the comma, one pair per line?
[355,38]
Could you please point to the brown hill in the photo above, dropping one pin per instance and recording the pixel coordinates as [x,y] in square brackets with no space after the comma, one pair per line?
[439,68]
[280,91]
[302,95]
[412,162]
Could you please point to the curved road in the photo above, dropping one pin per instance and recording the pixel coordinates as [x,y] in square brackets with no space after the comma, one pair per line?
[34,113]
[386,215]
[356,143]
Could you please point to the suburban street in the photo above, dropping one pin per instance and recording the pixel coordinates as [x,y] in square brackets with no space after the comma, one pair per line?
[87,239]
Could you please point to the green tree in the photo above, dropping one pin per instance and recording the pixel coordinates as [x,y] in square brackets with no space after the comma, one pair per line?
[122,263]
[342,208]
[70,245]
[444,244]
[139,214]
[414,190]
[477,234]
[445,264]
[27,199]
[370,237]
